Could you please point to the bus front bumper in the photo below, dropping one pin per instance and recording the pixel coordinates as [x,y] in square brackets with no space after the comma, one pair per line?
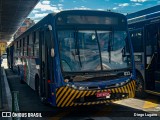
[67,96]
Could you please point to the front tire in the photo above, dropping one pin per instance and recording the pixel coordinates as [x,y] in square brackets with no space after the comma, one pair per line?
[140,89]
[38,91]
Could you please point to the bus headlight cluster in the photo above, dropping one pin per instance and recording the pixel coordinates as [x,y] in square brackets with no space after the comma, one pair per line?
[122,83]
[77,87]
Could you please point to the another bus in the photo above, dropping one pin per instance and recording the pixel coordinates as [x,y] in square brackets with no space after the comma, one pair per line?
[77,57]
[144,28]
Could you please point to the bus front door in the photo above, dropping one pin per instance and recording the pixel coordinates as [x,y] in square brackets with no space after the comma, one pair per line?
[44,66]
[151,55]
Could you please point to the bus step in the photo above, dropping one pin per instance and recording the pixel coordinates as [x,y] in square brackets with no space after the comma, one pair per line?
[154,92]
[157,75]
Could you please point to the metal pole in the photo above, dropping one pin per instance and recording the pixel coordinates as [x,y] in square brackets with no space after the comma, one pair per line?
[1,106]
[15,105]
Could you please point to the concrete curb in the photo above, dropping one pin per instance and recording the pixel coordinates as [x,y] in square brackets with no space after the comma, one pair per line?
[8,92]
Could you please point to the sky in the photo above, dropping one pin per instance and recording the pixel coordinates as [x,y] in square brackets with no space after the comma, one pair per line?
[122,6]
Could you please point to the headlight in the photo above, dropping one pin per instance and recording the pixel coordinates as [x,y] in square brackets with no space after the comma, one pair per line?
[73,86]
[81,88]
[77,87]
[122,83]
[118,84]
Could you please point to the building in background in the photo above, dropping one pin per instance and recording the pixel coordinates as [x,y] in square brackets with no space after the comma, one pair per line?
[26,25]
[3,46]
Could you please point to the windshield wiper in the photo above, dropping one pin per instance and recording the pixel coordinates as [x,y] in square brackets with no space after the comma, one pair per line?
[109,46]
[77,52]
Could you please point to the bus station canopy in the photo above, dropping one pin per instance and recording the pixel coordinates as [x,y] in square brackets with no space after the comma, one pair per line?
[12,14]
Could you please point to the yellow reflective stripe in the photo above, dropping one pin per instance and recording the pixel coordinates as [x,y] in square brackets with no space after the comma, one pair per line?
[72,98]
[106,90]
[133,89]
[116,90]
[113,90]
[59,97]
[59,103]
[128,90]
[98,90]
[58,91]
[125,89]
[84,93]
[106,101]
[130,86]
[68,97]
[122,89]
[72,104]
[88,103]
[84,103]
[93,103]
[89,92]
[133,84]
[119,90]
[80,92]
[98,102]
[93,92]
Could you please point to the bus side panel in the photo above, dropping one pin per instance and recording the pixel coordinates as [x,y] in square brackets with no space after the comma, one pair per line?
[32,71]
[29,71]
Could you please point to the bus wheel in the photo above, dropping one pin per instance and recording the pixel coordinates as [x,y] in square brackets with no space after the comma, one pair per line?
[38,91]
[139,92]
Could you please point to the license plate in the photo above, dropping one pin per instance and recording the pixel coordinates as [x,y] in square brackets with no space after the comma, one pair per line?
[103,94]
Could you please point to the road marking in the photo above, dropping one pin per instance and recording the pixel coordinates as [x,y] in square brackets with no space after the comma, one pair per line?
[150,104]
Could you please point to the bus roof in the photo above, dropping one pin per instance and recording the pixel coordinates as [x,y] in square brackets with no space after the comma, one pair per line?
[50,16]
[144,12]
[89,12]
[143,15]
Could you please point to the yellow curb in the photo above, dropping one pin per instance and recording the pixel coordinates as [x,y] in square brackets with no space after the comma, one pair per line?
[150,104]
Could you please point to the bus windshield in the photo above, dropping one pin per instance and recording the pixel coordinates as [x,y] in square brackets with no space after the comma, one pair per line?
[93,50]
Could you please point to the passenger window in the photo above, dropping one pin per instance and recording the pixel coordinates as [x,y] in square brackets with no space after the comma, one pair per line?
[36,44]
[25,46]
[18,48]
[30,45]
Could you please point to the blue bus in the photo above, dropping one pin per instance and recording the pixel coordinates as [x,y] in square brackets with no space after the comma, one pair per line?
[144,28]
[76,57]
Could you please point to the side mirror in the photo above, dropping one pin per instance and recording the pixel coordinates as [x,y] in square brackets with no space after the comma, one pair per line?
[52,52]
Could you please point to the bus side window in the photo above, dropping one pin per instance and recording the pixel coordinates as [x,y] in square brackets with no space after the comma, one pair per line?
[36,44]
[25,46]
[14,48]
[17,48]
[21,47]
[30,45]
[28,53]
